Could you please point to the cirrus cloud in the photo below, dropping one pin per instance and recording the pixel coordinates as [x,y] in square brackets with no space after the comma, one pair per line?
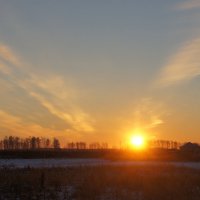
[182,66]
[187,5]
[9,56]
[52,92]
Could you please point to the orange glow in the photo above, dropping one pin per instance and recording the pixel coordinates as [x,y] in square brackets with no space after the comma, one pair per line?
[137,141]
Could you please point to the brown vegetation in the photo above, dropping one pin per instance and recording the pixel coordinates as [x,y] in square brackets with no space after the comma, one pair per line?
[102,182]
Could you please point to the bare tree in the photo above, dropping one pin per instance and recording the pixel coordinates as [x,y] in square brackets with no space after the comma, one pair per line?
[56,143]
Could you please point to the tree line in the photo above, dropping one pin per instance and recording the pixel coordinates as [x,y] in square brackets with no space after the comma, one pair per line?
[17,143]
[164,144]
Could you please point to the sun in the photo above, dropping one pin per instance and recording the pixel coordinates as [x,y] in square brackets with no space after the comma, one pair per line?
[137,141]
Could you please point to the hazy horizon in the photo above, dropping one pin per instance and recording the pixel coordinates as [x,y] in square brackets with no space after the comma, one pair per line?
[100,70]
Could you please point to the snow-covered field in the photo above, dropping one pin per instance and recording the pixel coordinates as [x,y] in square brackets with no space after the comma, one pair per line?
[37,163]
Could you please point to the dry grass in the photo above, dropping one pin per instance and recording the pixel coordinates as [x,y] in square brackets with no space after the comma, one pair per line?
[101,182]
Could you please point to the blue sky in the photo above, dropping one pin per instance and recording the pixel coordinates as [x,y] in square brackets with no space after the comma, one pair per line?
[100,70]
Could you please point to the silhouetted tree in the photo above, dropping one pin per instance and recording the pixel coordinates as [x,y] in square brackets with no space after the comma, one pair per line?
[48,143]
[33,143]
[5,143]
[56,143]
[71,145]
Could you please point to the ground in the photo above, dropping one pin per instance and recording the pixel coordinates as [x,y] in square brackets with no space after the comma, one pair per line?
[101,182]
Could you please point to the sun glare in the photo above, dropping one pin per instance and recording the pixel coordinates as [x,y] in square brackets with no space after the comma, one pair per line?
[137,141]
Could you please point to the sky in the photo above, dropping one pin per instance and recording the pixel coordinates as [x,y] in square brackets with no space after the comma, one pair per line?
[100,70]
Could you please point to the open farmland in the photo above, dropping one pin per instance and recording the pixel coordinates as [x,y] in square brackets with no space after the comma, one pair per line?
[101,182]
[49,163]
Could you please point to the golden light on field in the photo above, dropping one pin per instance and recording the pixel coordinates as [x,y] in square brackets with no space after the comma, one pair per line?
[137,141]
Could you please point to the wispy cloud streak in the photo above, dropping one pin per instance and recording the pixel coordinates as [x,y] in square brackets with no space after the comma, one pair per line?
[14,125]
[184,65]
[60,100]
[148,114]
[187,5]
[9,56]
[5,69]
[51,91]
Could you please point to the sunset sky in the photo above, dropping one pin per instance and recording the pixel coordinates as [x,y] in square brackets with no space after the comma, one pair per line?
[100,70]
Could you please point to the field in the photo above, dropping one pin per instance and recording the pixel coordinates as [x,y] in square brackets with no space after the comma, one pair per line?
[160,182]
[99,175]
[76,162]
